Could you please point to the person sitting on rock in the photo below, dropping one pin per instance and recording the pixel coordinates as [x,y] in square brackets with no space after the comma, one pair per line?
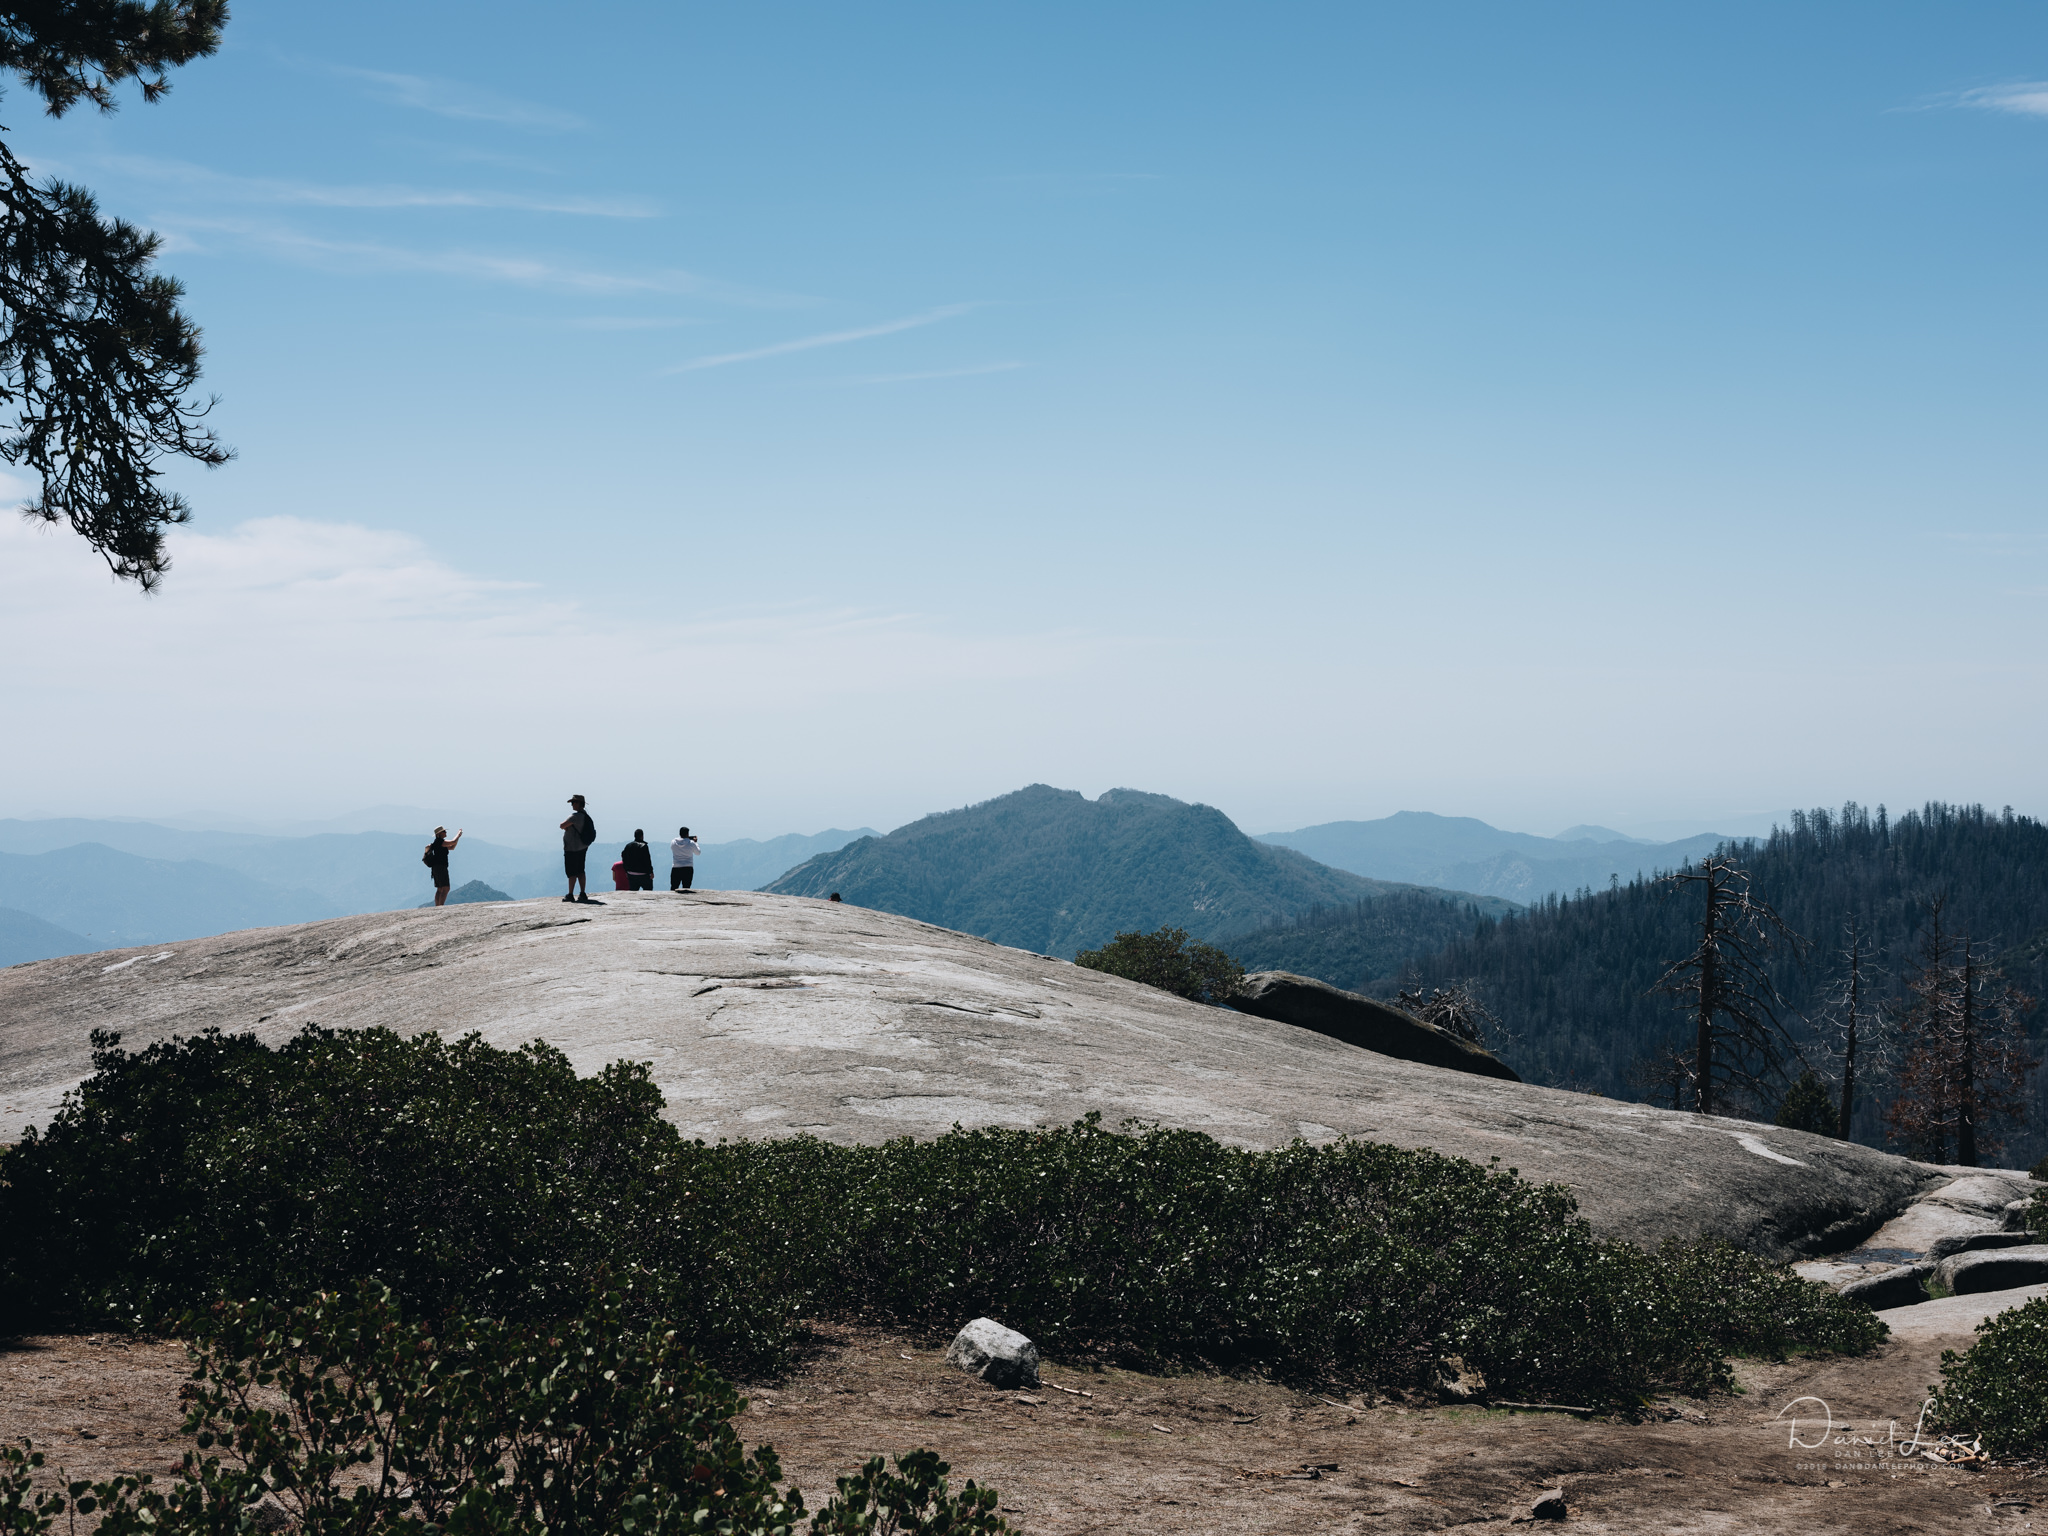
[639,861]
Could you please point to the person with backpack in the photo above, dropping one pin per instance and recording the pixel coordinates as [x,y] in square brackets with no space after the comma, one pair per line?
[682,852]
[639,861]
[436,859]
[578,833]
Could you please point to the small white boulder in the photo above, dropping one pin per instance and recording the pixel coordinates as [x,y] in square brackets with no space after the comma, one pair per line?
[1000,1356]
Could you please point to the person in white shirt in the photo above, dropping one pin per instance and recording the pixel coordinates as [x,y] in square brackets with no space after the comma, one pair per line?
[683,851]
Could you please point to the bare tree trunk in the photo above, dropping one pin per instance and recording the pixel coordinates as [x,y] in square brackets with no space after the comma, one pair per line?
[1966,1064]
[1849,1054]
[1703,1044]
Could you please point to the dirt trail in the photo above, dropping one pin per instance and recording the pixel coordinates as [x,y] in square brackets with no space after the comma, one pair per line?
[1172,1454]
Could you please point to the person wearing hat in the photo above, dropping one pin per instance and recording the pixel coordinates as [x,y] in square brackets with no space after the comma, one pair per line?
[578,833]
[436,859]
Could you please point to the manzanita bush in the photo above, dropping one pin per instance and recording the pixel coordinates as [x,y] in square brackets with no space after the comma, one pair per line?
[472,1180]
[341,1417]
[1998,1388]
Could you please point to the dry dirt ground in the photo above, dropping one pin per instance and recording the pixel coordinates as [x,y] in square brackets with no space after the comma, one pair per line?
[1210,1454]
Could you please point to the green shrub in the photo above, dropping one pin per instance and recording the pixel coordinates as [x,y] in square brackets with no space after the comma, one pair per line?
[471,1179]
[460,1175]
[351,1418]
[1999,1389]
[1807,1107]
[1170,961]
[911,1501]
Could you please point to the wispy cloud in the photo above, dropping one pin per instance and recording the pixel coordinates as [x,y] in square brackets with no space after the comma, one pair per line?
[468,103]
[524,271]
[220,185]
[935,373]
[825,339]
[2029,98]
[631,322]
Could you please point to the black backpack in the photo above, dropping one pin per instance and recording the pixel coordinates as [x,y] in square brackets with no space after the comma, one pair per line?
[427,858]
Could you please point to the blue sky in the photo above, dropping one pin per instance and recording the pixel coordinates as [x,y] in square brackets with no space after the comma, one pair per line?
[821,415]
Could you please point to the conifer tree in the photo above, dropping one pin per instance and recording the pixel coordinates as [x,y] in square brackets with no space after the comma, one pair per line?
[97,362]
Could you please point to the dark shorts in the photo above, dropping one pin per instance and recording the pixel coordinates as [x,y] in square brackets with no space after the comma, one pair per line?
[680,876]
[440,879]
[573,862]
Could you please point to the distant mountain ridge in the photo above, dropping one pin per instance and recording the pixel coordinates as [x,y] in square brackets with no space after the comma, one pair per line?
[1463,853]
[1052,871]
[88,884]
[25,937]
[115,899]
[351,871]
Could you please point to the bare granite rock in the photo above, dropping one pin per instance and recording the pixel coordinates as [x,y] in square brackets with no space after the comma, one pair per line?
[1548,1505]
[1999,1269]
[1357,1020]
[1000,1356]
[765,1015]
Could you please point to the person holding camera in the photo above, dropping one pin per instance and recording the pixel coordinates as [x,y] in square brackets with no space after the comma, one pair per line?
[682,854]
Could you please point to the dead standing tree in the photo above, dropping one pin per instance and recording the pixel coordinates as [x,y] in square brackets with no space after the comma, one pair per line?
[1739,1038]
[1848,1015]
[1967,1059]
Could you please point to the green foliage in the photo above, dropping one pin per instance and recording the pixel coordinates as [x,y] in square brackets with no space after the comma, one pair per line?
[1808,1106]
[911,1501]
[1047,870]
[65,50]
[1999,1389]
[471,1179]
[1572,977]
[97,361]
[457,1174]
[1170,961]
[1361,944]
[348,1417]
[1353,1264]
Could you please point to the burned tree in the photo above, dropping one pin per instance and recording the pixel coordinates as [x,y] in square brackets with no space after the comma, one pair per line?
[1739,1038]
[1663,1071]
[1456,1010]
[1966,1049]
[1849,1019]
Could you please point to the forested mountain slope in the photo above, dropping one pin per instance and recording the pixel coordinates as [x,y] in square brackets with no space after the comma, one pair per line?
[1049,870]
[1572,977]
[1360,945]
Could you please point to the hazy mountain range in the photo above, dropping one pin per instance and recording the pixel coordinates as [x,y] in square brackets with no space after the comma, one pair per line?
[1052,871]
[76,885]
[1459,853]
[71,886]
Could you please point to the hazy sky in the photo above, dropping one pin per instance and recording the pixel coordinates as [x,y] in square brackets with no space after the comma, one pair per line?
[784,416]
